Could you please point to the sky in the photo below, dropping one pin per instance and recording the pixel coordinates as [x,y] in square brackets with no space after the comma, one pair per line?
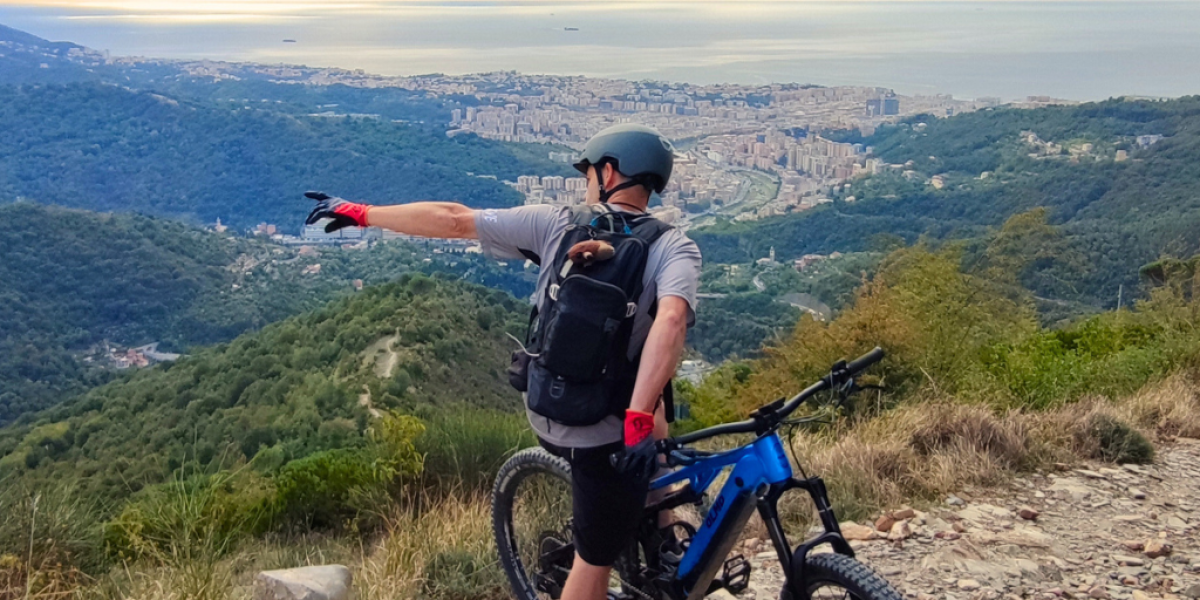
[1076,49]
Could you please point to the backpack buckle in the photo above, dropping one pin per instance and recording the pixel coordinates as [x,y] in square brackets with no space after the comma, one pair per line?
[630,309]
[553,292]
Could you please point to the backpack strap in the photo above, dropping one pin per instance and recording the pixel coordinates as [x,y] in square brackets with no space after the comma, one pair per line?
[642,226]
[648,229]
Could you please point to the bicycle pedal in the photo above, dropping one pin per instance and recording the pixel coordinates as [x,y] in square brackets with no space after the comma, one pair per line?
[736,574]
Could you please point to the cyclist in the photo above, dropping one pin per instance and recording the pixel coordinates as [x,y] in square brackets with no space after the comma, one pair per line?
[612,460]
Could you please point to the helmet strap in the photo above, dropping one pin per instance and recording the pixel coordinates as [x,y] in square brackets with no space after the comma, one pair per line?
[606,194]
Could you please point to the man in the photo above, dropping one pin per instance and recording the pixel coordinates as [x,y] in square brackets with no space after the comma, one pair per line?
[610,460]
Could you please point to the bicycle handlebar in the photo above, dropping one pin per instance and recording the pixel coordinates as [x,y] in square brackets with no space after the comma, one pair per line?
[840,373]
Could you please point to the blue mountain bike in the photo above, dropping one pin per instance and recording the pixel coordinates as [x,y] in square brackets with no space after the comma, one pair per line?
[531,516]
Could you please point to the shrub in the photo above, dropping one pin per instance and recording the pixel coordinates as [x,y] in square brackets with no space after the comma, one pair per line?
[322,489]
[200,515]
[1116,441]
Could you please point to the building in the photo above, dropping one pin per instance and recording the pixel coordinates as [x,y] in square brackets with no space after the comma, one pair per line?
[883,106]
[315,234]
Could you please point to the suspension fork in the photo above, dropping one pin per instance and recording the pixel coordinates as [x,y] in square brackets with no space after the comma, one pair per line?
[793,562]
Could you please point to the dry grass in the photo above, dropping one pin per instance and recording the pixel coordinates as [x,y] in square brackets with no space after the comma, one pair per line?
[1169,408]
[433,547]
[923,451]
[440,546]
[436,547]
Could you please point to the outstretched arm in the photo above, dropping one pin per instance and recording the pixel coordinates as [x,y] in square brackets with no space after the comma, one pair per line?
[424,219]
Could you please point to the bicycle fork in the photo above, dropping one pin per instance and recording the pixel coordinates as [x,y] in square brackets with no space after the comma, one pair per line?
[793,562]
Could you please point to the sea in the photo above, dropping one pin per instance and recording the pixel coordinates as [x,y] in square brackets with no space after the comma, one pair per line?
[1010,49]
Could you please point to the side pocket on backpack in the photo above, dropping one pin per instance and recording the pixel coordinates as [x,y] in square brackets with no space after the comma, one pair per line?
[518,370]
[570,403]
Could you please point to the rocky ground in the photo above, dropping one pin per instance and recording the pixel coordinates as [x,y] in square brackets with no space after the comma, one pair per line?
[1131,532]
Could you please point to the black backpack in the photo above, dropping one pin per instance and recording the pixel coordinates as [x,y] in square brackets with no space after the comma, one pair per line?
[576,367]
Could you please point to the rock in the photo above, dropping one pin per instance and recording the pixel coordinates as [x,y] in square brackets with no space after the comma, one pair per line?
[884,523]
[1131,561]
[1090,474]
[1156,548]
[959,527]
[955,501]
[722,594]
[1137,494]
[968,585]
[1098,593]
[854,531]
[947,535]
[1140,595]
[1072,487]
[900,531]
[1133,545]
[1027,513]
[1192,591]
[772,555]
[1176,523]
[326,582]
[904,515]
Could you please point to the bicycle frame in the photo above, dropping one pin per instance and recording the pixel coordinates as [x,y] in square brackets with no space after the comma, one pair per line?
[760,475]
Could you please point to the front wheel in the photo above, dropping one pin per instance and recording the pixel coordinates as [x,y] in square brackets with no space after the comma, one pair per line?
[831,576]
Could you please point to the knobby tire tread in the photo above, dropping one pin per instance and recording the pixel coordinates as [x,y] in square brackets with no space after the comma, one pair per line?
[858,579]
[535,459]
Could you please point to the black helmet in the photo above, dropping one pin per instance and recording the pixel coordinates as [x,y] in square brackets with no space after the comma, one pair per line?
[639,152]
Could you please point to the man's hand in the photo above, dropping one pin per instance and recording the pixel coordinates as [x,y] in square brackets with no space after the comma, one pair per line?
[342,212]
[640,457]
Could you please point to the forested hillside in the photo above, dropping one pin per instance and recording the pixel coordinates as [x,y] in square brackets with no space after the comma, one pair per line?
[103,147]
[72,280]
[291,390]
[1115,214]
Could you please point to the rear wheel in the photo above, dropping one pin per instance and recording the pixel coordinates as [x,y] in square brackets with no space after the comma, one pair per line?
[531,519]
[836,576]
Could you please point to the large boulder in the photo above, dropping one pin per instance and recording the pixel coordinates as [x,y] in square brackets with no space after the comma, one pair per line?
[326,582]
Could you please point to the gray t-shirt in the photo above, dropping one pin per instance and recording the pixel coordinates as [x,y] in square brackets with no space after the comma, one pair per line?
[672,269]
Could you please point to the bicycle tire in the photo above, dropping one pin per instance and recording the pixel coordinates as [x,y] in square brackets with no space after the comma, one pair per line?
[840,570]
[519,467]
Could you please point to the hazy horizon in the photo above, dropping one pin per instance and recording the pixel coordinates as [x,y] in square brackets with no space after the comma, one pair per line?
[1082,50]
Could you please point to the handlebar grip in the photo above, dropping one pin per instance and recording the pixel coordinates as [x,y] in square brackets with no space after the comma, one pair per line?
[865,361]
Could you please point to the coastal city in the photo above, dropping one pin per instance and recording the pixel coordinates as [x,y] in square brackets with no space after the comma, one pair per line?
[742,152]
[745,152]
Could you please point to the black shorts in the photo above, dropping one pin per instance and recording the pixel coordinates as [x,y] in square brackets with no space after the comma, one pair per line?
[606,505]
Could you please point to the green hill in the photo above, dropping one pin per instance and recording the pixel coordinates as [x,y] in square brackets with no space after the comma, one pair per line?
[30,59]
[103,147]
[293,389]
[72,281]
[1117,215]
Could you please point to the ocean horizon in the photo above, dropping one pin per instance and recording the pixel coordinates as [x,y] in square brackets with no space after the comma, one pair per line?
[1078,50]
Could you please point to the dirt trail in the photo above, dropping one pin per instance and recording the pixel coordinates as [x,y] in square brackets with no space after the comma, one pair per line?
[1131,532]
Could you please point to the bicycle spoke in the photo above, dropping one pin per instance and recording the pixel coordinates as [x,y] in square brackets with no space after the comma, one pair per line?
[831,591]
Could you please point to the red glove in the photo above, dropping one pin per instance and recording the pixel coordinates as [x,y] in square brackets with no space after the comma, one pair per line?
[638,426]
[342,212]
[640,457]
